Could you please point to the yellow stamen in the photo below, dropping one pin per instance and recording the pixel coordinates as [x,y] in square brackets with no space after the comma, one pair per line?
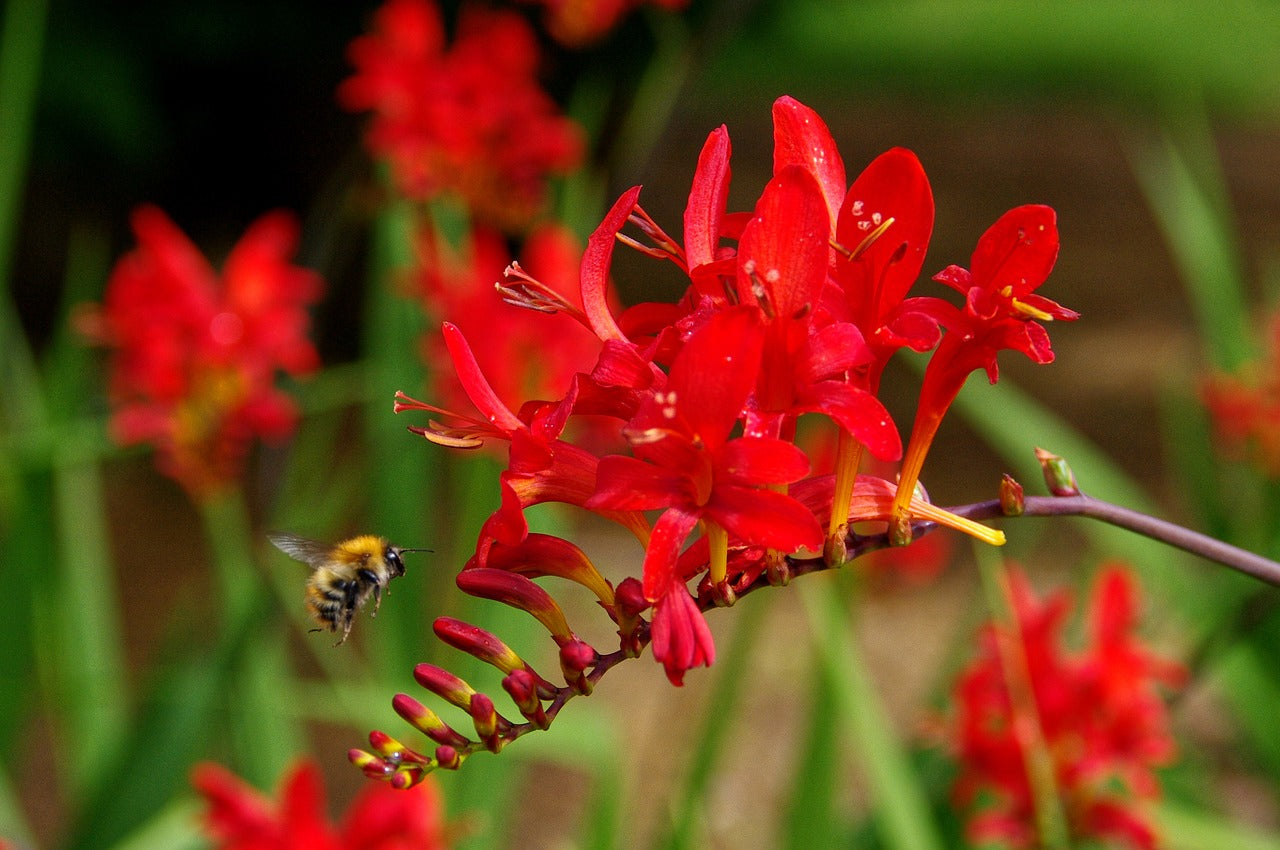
[718,545]
[1027,310]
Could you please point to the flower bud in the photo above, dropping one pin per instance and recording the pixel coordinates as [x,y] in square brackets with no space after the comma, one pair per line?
[426,721]
[448,758]
[444,684]
[475,641]
[1012,501]
[518,592]
[1058,476]
[575,657]
[522,687]
[489,724]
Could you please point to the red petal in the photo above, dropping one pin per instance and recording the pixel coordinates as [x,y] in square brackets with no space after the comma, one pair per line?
[764,518]
[681,639]
[763,460]
[626,484]
[474,383]
[669,533]
[1018,251]
[785,246]
[859,412]
[801,138]
[708,198]
[893,186]
[833,350]
[715,371]
[596,260]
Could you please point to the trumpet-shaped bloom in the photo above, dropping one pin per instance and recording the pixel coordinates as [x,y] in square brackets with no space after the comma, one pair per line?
[194,353]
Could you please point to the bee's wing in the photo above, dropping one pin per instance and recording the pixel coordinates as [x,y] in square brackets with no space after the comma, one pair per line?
[304,549]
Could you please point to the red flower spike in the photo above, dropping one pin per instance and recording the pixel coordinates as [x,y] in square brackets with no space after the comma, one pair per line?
[426,721]
[238,817]
[518,592]
[1103,723]
[195,353]
[1001,311]
[469,120]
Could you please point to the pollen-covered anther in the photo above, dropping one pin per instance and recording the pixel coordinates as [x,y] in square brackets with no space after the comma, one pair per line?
[575,657]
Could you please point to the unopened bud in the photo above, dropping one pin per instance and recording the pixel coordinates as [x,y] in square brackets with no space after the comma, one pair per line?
[426,721]
[575,657]
[518,592]
[475,641]
[1012,501]
[522,687]
[1058,476]
[444,684]
[448,758]
[489,724]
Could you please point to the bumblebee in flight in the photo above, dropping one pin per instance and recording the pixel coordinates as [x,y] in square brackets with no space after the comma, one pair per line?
[343,575]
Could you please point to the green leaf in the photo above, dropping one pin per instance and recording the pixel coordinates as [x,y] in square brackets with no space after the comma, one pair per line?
[810,820]
[902,813]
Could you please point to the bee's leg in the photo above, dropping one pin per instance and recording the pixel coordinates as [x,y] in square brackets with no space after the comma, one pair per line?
[347,613]
[371,579]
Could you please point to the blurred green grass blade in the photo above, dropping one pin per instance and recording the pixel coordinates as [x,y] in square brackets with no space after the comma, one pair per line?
[810,816]
[1182,828]
[400,469]
[902,813]
[1134,54]
[265,735]
[27,542]
[171,828]
[89,659]
[1201,240]
[174,724]
[21,52]
[69,371]
[731,674]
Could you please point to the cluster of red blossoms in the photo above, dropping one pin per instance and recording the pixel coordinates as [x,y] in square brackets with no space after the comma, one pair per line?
[195,354]
[800,314]
[464,118]
[1096,716]
[575,23]
[238,817]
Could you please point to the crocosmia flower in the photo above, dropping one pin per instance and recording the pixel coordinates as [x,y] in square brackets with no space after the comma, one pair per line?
[239,817]
[195,353]
[465,118]
[1094,718]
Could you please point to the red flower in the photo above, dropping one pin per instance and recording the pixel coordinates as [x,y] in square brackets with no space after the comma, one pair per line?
[1001,311]
[469,120]
[1101,721]
[239,817]
[194,353]
[529,353]
[576,23]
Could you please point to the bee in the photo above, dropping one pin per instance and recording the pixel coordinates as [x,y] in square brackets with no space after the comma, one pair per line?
[343,575]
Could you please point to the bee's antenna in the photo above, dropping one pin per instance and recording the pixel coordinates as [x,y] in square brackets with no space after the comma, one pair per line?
[417,550]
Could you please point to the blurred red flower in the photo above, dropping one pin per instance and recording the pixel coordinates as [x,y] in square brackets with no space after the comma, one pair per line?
[1245,406]
[467,119]
[1098,716]
[579,22]
[195,353]
[239,817]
